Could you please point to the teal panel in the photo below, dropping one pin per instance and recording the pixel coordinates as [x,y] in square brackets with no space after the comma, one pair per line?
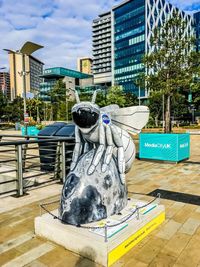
[62,72]
[169,147]
[31,130]
[183,146]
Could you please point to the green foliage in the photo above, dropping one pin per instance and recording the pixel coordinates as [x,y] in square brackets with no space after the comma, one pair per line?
[156,107]
[40,126]
[179,106]
[58,101]
[32,105]
[3,103]
[131,99]
[115,96]
[14,110]
[171,65]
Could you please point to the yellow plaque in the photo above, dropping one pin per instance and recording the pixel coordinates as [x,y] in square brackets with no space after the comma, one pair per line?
[129,243]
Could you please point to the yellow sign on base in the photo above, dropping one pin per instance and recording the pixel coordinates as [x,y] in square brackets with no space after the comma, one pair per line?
[133,240]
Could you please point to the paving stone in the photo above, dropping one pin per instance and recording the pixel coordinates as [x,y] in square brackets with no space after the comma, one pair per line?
[190,226]
[198,231]
[15,242]
[191,254]
[168,230]
[184,213]
[176,244]
[174,209]
[34,242]
[29,256]
[163,260]
[59,256]
[36,263]
[198,209]
[135,263]
[149,251]
[8,256]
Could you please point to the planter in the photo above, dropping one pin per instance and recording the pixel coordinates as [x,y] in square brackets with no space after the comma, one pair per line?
[167,147]
[31,130]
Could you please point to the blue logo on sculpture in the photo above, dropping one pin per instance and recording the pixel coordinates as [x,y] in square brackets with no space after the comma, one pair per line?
[105,119]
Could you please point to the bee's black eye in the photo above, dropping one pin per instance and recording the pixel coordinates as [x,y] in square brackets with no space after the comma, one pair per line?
[84,118]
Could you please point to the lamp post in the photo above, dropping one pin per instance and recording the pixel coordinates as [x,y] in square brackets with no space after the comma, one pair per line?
[137,83]
[139,94]
[26,50]
[67,113]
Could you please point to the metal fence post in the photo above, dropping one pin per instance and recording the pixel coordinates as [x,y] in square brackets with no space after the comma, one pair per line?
[19,167]
[57,169]
[63,161]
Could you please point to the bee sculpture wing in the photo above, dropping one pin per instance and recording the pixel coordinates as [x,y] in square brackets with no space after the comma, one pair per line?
[110,108]
[131,119]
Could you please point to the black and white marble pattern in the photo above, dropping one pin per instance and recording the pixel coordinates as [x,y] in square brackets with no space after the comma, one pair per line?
[88,198]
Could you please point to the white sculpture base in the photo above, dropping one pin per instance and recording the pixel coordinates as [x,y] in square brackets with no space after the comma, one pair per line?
[92,244]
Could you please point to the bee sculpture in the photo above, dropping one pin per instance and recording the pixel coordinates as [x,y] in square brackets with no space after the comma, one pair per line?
[105,129]
[95,187]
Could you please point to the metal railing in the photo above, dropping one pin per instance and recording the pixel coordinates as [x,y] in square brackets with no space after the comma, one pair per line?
[46,208]
[33,161]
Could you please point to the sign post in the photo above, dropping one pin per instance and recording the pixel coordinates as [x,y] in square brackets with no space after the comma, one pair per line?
[26,121]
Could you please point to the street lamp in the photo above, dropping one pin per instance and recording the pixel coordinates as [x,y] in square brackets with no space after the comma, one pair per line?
[138,83]
[67,113]
[139,94]
[26,50]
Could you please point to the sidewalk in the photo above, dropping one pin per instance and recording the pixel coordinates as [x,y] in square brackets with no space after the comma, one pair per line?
[175,243]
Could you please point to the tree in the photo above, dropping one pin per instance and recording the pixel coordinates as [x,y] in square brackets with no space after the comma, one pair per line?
[131,99]
[3,103]
[195,80]
[170,65]
[115,95]
[33,107]
[155,106]
[14,111]
[58,100]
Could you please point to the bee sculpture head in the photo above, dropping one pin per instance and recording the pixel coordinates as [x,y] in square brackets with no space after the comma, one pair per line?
[86,114]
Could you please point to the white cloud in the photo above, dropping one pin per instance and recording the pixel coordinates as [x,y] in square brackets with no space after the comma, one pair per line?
[62,26]
[188,5]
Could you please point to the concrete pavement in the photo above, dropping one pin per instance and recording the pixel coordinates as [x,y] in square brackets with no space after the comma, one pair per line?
[175,243]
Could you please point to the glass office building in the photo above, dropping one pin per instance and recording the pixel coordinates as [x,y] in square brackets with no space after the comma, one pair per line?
[72,79]
[133,24]
[197,29]
[129,43]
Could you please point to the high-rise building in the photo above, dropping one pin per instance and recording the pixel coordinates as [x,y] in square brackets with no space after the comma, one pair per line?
[134,23]
[5,83]
[33,68]
[101,28]
[84,65]
[197,29]
[129,28]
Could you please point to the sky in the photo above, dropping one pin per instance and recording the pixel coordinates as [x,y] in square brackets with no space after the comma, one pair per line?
[63,27]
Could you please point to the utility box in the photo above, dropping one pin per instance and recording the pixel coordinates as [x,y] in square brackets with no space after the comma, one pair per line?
[166,147]
[31,130]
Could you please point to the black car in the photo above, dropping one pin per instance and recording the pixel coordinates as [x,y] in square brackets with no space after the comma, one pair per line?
[47,150]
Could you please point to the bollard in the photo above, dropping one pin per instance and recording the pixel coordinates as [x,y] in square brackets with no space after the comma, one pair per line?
[63,161]
[19,168]
[137,213]
[106,233]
